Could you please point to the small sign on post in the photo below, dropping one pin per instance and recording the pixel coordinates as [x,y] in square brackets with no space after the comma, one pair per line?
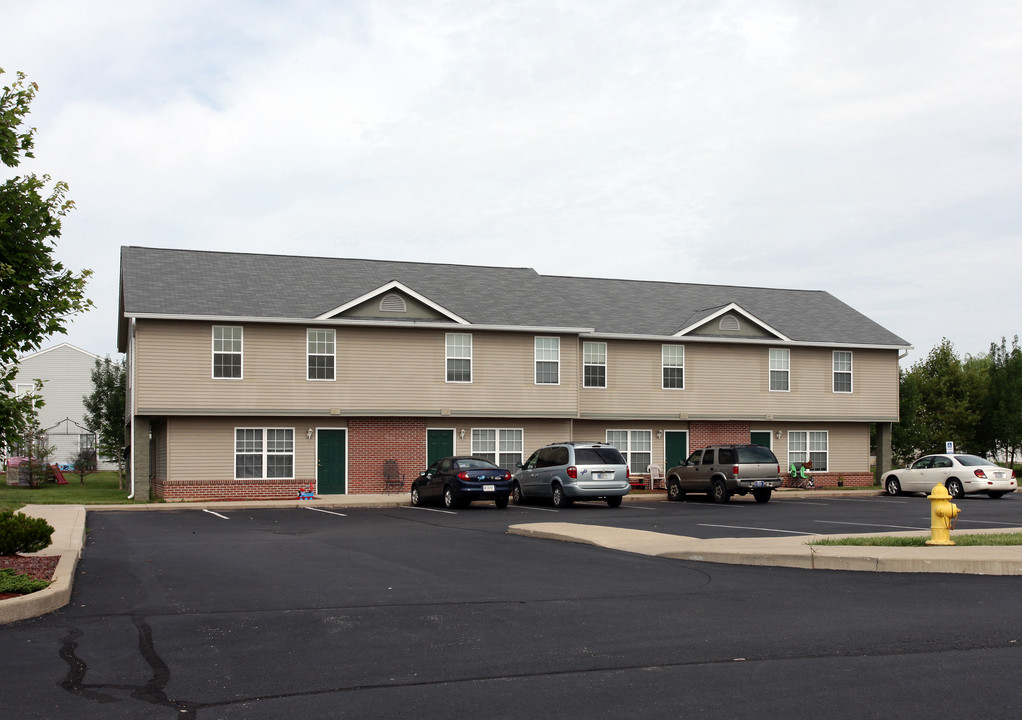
[950,447]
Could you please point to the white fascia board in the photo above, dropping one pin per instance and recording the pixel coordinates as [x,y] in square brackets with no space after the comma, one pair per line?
[394,285]
[338,322]
[57,347]
[773,342]
[732,307]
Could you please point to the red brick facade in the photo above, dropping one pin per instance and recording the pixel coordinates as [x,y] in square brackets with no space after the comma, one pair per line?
[371,441]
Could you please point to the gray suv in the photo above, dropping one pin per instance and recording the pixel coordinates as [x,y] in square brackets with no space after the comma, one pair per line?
[724,470]
[569,471]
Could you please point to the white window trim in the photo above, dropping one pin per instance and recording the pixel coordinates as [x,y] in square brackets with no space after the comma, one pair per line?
[213,354]
[771,369]
[496,438]
[606,353]
[536,360]
[470,358]
[849,372]
[23,389]
[627,452]
[309,354]
[663,350]
[264,452]
[809,448]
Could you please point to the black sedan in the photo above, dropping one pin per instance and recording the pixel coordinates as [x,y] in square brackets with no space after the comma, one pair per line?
[457,481]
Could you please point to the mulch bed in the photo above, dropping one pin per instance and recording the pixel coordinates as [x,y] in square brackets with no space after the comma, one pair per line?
[40,567]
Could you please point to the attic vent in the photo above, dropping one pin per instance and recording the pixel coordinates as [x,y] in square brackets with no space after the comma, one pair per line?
[392,302]
[729,323]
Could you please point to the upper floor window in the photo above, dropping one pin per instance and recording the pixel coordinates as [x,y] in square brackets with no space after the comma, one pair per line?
[673,364]
[780,369]
[227,351]
[321,351]
[594,364]
[459,357]
[548,361]
[842,371]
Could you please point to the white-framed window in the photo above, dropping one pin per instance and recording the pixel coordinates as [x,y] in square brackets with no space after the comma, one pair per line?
[673,363]
[780,370]
[321,349]
[227,352]
[23,389]
[635,445]
[842,371]
[594,364]
[264,453]
[548,361]
[806,445]
[501,446]
[459,357]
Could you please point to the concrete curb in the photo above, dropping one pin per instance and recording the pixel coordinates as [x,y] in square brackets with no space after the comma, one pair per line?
[68,539]
[795,552]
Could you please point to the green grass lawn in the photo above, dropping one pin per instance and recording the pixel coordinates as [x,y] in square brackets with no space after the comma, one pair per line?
[100,488]
[1008,538]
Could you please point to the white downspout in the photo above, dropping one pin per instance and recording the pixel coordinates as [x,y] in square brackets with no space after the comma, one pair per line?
[131,360]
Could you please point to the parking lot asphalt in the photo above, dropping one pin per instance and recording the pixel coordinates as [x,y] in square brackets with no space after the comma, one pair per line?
[68,522]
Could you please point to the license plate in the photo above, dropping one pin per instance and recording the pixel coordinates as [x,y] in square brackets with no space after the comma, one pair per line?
[759,483]
[998,475]
[602,476]
[488,488]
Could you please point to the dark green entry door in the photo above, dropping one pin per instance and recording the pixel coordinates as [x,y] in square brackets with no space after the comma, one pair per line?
[331,462]
[439,444]
[675,447]
[761,437]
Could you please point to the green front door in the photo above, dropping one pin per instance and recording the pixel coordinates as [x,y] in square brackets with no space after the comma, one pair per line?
[761,437]
[675,447]
[439,444]
[331,462]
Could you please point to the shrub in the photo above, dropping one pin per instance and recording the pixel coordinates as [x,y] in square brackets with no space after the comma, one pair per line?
[20,533]
[15,582]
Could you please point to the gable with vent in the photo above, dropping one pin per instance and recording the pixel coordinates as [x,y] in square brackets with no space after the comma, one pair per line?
[393,301]
[730,321]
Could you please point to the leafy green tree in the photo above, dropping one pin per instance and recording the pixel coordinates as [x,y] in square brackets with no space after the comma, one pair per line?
[37,294]
[104,411]
[1003,410]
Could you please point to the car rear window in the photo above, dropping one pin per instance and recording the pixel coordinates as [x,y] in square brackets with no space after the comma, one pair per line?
[598,456]
[972,460]
[756,454]
[474,464]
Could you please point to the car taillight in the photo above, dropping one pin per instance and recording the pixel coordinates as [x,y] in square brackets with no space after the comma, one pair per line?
[981,474]
[628,474]
[463,476]
[507,474]
[572,471]
[734,471]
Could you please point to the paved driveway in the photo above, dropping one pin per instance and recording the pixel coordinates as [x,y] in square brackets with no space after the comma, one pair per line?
[409,613]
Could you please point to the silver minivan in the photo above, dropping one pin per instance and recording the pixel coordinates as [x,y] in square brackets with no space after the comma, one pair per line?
[725,470]
[569,471]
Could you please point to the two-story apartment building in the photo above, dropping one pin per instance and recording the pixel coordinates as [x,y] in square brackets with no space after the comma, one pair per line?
[255,375]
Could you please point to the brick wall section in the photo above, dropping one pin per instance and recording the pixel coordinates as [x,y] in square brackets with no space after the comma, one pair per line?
[725,432]
[230,489]
[373,440]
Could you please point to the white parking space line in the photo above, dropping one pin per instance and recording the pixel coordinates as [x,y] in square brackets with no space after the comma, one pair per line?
[223,517]
[875,525]
[527,507]
[886,500]
[438,510]
[641,507]
[800,501]
[993,522]
[328,512]
[761,529]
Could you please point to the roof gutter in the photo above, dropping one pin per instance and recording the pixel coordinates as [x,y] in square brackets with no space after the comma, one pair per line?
[131,355]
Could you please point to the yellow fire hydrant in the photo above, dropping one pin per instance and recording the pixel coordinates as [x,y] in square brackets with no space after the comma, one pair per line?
[942,515]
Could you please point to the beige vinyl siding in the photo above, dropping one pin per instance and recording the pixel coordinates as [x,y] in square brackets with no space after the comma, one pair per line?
[380,371]
[203,448]
[535,433]
[731,381]
[847,445]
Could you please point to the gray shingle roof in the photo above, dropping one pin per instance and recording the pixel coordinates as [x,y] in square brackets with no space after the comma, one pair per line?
[221,284]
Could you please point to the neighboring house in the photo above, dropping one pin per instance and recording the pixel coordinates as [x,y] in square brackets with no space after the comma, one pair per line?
[255,375]
[66,372]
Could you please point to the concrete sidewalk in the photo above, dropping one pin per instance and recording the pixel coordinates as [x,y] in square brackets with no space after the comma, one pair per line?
[68,522]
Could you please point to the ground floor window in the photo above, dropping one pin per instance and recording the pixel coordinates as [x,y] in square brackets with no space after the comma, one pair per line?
[502,447]
[635,445]
[264,453]
[806,445]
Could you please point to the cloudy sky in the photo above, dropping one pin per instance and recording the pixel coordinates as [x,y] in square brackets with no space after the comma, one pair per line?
[870,148]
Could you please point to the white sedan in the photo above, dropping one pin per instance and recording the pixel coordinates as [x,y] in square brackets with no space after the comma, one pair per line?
[960,474]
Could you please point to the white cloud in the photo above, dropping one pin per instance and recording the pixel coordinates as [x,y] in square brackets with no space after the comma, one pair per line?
[871,150]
